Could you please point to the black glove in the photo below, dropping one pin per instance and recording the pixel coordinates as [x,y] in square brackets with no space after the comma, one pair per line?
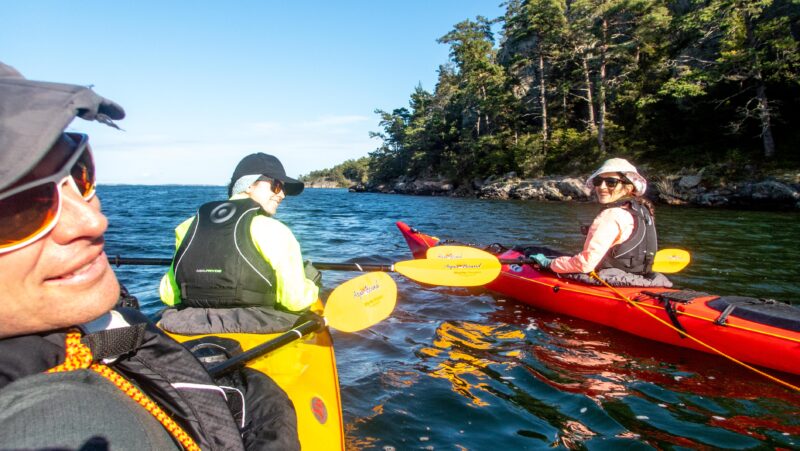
[312,273]
[126,299]
[308,316]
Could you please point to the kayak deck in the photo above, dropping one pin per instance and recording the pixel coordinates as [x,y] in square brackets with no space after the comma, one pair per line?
[749,341]
[306,370]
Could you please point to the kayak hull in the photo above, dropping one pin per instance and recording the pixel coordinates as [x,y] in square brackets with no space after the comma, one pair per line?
[306,370]
[741,339]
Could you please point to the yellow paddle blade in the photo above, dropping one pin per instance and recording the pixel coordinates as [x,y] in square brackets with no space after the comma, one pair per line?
[466,272]
[450,252]
[361,302]
[671,260]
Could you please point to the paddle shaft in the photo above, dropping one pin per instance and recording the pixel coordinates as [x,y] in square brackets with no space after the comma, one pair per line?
[522,261]
[287,337]
[139,261]
[142,261]
[354,305]
[666,260]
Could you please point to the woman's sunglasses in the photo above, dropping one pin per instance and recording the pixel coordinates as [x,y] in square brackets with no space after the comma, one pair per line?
[610,182]
[31,210]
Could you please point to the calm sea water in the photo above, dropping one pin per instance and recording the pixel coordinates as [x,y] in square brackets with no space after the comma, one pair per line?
[461,369]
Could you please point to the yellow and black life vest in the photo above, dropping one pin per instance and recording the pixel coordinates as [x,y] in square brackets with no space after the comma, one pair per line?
[218,265]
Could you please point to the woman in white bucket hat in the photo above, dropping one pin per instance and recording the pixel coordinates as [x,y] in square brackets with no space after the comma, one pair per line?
[623,235]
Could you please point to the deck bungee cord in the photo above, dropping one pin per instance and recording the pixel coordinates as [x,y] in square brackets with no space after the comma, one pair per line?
[655,307]
[696,340]
[671,259]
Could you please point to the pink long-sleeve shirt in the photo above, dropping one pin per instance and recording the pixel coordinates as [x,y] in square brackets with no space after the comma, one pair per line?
[611,227]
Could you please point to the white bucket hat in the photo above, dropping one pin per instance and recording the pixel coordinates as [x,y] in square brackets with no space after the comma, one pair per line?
[621,165]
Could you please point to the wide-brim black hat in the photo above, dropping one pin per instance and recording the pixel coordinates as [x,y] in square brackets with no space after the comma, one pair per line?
[33,114]
[270,166]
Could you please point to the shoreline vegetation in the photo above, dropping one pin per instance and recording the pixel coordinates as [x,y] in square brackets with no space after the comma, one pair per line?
[776,193]
[702,95]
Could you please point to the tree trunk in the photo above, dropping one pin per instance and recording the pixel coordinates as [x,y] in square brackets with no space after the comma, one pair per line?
[601,92]
[764,115]
[768,141]
[543,98]
[480,115]
[589,94]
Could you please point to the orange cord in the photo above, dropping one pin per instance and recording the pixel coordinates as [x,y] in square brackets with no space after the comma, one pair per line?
[79,356]
[696,340]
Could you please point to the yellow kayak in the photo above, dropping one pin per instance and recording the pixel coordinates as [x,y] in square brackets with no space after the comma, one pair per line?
[306,370]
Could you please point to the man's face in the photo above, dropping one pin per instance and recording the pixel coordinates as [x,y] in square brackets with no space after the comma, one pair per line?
[262,192]
[63,278]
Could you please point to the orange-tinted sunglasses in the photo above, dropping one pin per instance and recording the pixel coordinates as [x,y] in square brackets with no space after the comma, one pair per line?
[29,211]
[276,186]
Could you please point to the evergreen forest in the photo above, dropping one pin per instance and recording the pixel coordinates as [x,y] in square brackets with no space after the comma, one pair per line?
[555,86]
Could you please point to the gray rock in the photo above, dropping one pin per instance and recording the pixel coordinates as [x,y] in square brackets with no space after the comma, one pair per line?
[774,190]
[574,188]
[767,194]
[499,190]
[689,181]
[711,200]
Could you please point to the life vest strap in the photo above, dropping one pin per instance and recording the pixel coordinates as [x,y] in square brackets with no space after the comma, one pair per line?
[79,357]
[110,343]
[224,297]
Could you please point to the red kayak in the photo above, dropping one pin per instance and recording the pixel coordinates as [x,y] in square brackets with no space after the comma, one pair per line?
[759,332]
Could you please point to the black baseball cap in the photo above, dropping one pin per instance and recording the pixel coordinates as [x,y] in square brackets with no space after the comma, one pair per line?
[269,166]
[33,114]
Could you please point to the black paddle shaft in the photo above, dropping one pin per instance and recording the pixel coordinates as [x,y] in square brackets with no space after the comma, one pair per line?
[142,261]
[241,360]
[139,261]
[504,261]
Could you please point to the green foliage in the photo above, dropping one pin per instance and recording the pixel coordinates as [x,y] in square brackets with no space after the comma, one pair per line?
[572,82]
[571,151]
[681,87]
[346,174]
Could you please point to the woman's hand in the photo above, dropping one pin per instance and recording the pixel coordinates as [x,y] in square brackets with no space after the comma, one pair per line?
[541,260]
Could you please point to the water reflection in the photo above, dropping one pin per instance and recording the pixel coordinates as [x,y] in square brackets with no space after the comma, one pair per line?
[580,383]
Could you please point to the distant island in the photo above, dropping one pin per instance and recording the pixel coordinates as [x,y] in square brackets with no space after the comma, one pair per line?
[703,96]
[344,175]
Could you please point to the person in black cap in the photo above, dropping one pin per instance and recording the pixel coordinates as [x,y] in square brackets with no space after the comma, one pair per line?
[239,256]
[76,372]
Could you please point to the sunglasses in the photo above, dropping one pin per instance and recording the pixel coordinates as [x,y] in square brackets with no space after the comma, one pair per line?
[276,186]
[31,210]
[610,182]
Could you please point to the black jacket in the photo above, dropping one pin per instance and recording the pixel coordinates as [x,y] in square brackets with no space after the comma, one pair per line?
[161,367]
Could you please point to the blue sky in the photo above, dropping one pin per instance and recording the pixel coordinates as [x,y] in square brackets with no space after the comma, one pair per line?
[206,83]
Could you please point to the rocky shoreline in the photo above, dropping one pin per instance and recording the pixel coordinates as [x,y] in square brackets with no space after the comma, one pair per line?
[780,193]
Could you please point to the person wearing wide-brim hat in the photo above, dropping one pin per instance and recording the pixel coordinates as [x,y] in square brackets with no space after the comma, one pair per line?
[623,235]
[234,254]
